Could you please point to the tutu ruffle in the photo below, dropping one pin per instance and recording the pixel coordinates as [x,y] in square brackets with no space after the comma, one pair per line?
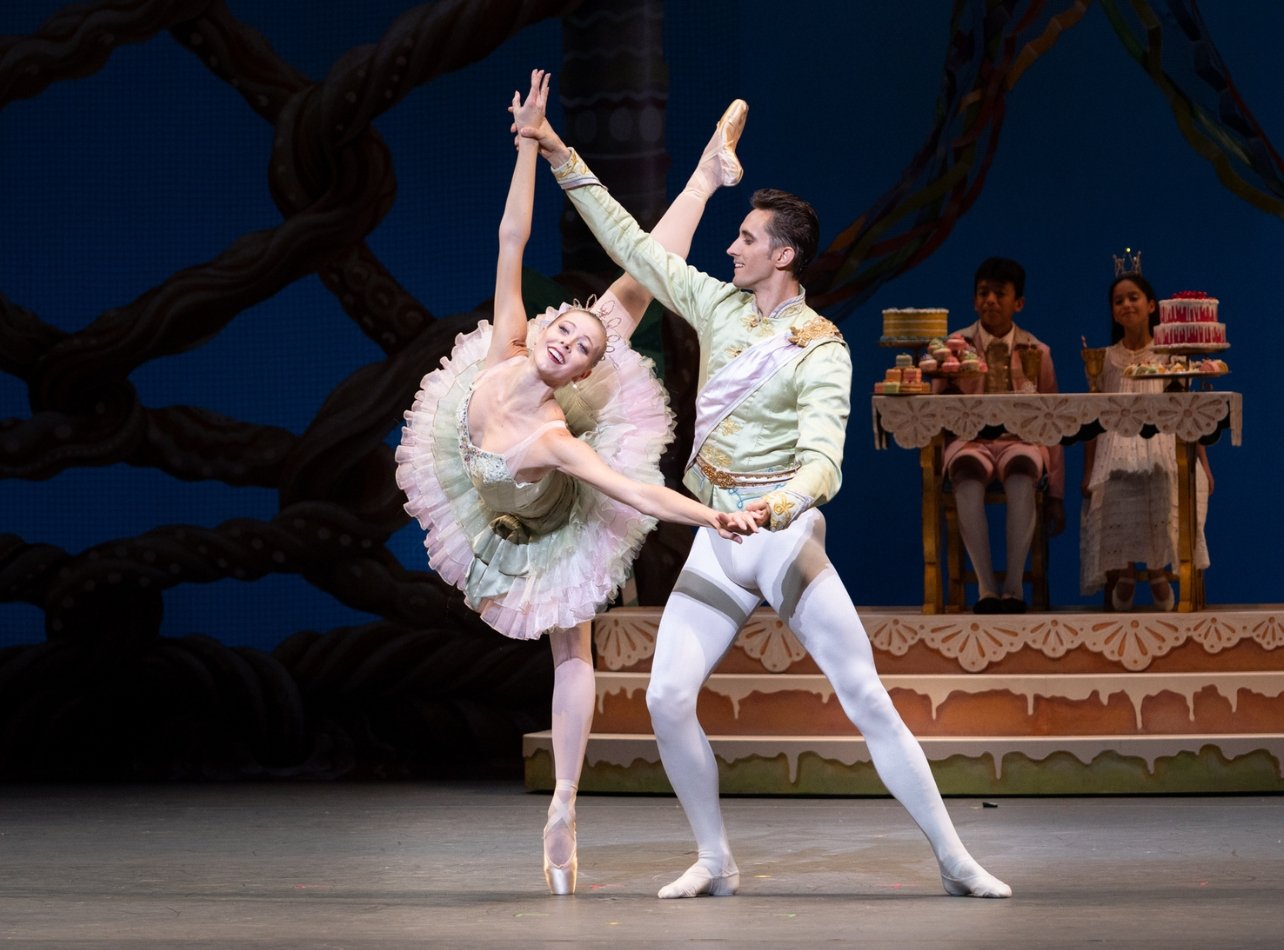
[620,410]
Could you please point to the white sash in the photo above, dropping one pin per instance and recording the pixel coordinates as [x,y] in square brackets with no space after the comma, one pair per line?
[732,384]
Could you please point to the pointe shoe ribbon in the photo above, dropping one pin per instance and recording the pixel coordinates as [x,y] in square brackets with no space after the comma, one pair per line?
[698,879]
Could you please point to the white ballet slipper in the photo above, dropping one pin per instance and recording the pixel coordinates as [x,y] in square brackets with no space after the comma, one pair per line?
[974,881]
[698,879]
[1162,594]
[1122,594]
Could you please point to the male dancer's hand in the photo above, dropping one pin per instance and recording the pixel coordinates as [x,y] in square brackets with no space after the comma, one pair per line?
[732,524]
[760,510]
[551,146]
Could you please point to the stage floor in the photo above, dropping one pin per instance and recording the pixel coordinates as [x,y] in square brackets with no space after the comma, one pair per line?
[458,865]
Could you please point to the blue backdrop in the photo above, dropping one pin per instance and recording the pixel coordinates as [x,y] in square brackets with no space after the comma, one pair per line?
[111,183]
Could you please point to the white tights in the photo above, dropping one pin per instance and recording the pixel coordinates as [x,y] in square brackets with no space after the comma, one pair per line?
[719,586]
[573,699]
[974,529]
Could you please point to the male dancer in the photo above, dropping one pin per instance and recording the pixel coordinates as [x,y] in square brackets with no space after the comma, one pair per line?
[775,381]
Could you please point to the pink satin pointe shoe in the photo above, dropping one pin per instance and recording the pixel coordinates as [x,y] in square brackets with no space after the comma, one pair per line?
[561,877]
[698,879]
[729,129]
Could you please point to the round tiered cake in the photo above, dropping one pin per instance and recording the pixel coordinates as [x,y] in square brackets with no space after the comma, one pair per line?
[1189,319]
[914,323]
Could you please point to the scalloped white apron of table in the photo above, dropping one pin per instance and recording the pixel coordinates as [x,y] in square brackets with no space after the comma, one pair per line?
[922,422]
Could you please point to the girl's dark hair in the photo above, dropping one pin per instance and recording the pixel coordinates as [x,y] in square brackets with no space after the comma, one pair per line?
[1116,331]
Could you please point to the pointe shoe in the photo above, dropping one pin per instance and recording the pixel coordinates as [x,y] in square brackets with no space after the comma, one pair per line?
[1123,601]
[1163,601]
[560,878]
[698,879]
[974,882]
[728,131]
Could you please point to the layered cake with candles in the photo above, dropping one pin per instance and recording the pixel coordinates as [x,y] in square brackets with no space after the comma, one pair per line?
[914,324]
[1189,319]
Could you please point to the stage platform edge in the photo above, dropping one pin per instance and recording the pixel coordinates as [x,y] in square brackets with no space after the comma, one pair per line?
[1058,703]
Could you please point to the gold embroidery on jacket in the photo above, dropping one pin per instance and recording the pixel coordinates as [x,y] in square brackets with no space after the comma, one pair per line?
[813,330]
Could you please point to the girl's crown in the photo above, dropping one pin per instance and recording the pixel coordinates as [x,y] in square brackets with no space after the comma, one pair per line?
[1128,264]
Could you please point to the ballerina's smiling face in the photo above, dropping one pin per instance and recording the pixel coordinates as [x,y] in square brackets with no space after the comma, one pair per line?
[569,347]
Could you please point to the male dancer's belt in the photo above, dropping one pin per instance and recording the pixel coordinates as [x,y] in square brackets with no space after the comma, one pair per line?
[725,479]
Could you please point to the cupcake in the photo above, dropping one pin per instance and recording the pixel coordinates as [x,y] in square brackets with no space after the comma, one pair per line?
[951,365]
[956,344]
[970,363]
[927,364]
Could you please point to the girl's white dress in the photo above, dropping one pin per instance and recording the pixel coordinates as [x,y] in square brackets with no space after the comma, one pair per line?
[1131,514]
[538,555]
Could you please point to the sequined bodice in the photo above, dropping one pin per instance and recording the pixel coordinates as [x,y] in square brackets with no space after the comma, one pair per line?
[543,504]
[483,468]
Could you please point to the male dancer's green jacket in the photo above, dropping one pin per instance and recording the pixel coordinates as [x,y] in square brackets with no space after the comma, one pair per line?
[775,389]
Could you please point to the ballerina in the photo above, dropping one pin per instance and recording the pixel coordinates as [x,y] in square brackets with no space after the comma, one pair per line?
[537,526]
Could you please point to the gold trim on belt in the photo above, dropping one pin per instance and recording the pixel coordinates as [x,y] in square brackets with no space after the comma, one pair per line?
[724,479]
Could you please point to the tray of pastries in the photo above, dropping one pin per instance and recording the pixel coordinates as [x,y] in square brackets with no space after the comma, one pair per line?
[1177,369]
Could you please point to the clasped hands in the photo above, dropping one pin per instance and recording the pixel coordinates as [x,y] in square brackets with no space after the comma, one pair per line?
[733,524]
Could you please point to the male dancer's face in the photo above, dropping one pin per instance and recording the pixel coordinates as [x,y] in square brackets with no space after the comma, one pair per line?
[753,259]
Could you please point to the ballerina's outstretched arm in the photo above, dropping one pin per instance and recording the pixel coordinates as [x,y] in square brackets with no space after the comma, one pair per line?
[509,321]
[559,449]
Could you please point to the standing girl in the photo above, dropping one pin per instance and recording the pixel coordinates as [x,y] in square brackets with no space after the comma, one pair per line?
[1130,482]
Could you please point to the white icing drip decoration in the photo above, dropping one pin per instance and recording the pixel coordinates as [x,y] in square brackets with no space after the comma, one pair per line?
[624,750]
[938,688]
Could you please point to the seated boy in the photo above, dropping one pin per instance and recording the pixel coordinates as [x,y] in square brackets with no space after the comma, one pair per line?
[999,294]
